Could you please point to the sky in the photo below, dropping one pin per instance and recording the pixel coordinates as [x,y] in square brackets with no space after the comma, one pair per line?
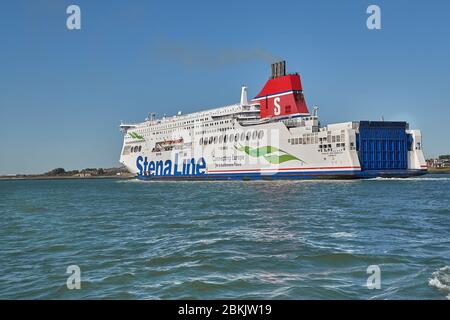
[63,93]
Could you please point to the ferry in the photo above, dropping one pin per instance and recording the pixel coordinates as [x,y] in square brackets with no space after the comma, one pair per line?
[272,136]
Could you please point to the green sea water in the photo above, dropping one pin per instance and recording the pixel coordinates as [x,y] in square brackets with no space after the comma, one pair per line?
[220,240]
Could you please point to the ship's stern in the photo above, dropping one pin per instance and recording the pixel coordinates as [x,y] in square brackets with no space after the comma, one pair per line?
[389,149]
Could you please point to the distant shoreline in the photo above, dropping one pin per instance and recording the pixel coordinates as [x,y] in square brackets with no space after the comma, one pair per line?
[61,174]
[46,177]
[439,171]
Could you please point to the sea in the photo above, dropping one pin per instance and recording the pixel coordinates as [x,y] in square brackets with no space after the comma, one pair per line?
[127,239]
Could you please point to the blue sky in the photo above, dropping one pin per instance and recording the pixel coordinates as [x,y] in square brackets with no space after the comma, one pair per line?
[63,93]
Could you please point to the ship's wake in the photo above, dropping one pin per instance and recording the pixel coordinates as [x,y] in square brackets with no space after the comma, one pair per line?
[411,179]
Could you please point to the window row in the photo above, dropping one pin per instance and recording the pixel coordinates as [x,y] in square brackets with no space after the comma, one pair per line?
[182,126]
[305,140]
[243,136]
[214,130]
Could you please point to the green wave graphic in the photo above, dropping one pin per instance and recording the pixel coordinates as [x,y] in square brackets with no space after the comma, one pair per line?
[136,136]
[266,152]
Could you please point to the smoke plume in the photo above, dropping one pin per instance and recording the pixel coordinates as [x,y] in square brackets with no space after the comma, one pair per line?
[198,55]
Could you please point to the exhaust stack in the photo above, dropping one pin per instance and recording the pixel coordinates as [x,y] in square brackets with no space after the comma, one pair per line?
[278,69]
[282,95]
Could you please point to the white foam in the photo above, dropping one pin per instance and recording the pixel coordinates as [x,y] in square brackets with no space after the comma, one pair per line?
[130,181]
[293,181]
[441,280]
[418,179]
[342,235]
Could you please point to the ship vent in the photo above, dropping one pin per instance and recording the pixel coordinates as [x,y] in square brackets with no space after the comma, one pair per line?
[278,69]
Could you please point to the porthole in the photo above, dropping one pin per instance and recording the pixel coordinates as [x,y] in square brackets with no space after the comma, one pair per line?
[220,139]
[215,139]
[247,137]
[242,136]
[210,140]
[231,138]
[225,138]
[201,141]
[236,137]
[254,135]
[260,134]
[140,148]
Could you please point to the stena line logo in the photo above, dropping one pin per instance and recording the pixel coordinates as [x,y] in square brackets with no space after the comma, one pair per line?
[276,108]
[167,168]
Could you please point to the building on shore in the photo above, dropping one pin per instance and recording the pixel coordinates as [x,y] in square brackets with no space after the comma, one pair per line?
[440,162]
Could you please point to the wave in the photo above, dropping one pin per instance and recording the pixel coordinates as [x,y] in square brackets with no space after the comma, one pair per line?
[440,279]
[342,235]
[132,180]
[410,179]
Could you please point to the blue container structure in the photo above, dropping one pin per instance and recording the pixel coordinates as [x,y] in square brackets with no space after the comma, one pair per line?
[383,145]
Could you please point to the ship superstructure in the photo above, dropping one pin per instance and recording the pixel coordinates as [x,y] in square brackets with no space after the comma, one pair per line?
[272,136]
